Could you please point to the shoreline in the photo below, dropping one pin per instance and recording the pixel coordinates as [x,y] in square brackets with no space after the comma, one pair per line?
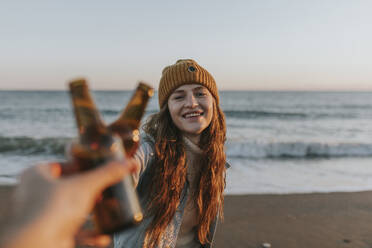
[324,220]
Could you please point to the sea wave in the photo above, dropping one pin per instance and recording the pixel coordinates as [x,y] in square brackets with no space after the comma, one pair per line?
[257,114]
[252,150]
[253,114]
[8,113]
[280,150]
[110,112]
[32,146]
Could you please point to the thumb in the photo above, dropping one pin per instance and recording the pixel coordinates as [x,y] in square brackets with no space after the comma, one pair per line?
[100,178]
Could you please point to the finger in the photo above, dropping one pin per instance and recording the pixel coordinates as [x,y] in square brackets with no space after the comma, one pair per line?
[50,170]
[69,169]
[46,170]
[102,177]
[55,170]
[92,238]
[135,167]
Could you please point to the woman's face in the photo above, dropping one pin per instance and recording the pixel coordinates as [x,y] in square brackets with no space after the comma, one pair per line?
[191,109]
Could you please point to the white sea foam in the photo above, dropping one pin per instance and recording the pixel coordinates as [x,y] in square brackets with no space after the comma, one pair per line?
[259,150]
[299,176]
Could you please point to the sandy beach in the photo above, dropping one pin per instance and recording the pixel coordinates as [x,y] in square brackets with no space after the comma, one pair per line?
[288,221]
[297,220]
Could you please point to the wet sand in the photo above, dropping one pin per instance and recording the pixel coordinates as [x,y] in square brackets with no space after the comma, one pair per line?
[326,220]
[297,220]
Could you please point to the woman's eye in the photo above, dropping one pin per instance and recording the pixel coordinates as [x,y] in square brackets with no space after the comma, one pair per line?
[178,97]
[200,94]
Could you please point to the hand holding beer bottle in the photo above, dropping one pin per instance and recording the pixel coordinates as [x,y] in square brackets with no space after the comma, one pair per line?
[118,207]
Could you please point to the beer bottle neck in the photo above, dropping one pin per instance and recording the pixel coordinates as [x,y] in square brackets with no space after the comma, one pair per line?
[132,114]
[87,116]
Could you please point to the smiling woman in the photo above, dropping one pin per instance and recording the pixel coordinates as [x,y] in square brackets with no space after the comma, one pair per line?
[183,163]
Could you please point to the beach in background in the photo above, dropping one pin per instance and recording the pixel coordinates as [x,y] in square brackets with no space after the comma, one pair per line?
[290,153]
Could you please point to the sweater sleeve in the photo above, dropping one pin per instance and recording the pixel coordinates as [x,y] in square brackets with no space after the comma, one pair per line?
[144,156]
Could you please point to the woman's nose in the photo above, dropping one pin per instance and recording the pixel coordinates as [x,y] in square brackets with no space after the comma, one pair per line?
[191,101]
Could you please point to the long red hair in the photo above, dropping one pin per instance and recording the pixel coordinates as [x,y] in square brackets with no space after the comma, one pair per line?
[169,174]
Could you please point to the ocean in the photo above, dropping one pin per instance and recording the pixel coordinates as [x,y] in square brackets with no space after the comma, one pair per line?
[277,142]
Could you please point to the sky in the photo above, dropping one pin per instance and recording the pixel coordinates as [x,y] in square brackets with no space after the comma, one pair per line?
[246,45]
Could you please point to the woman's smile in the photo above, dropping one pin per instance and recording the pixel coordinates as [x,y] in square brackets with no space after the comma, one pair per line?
[194,115]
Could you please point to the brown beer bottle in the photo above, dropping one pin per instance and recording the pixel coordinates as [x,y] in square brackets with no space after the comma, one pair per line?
[127,125]
[118,207]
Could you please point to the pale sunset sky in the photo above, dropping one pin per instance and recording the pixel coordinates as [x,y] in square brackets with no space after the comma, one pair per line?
[246,45]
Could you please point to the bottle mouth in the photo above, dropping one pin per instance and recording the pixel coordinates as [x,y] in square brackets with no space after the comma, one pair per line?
[147,88]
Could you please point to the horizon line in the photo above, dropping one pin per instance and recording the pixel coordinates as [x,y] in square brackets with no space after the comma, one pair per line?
[221,90]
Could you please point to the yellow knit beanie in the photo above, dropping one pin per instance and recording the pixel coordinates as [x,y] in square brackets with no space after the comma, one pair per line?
[184,71]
